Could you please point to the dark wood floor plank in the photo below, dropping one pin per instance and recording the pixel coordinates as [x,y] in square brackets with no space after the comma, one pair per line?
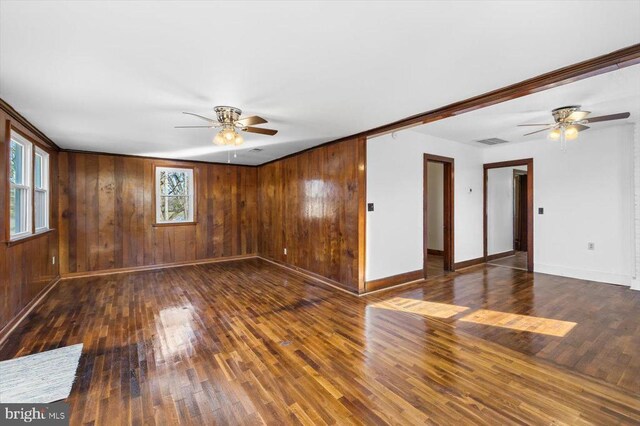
[249,342]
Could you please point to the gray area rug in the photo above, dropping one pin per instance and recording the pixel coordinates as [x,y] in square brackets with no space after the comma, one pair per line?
[39,378]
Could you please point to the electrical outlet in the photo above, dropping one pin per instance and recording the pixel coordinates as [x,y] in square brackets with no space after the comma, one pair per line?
[53,260]
[285,251]
[591,246]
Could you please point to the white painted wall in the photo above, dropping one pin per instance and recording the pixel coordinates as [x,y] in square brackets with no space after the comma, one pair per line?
[394,185]
[499,210]
[435,205]
[587,195]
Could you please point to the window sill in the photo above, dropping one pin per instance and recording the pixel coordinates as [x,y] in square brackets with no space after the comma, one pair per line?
[160,225]
[29,237]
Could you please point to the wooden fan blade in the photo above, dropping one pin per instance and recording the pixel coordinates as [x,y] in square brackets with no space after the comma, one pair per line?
[538,131]
[523,125]
[201,116]
[194,127]
[259,130]
[580,127]
[250,121]
[577,116]
[619,116]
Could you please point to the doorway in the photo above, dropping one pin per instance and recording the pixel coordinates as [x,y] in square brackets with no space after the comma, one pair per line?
[520,232]
[508,214]
[437,210]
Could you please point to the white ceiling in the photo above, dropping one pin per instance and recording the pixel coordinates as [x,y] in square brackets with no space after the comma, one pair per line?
[115,76]
[610,93]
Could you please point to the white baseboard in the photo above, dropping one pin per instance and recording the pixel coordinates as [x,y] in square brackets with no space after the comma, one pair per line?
[635,283]
[582,274]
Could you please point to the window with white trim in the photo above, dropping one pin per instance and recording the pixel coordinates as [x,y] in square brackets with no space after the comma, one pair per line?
[174,195]
[41,190]
[19,187]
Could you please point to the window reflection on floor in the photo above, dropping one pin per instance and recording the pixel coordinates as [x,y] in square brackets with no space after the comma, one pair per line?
[421,307]
[539,325]
[547,326]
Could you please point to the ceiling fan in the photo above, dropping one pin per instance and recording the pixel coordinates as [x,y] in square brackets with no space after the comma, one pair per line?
[570,120]
[228,118]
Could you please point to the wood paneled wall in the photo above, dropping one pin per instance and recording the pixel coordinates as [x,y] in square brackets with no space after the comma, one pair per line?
[26,266]
[107,214]
[313,204]
[102,215]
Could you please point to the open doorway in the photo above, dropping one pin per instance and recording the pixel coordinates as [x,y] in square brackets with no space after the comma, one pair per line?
[437,215]
[520,230]
[508,214]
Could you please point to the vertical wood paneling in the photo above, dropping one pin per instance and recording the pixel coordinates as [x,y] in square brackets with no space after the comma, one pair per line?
[149,213]
[107,208]
[26,267]
[63,209]
[80,217]
[201,235]
[120,228]
[92,213]
[72,191]
[312,204]
[106,212]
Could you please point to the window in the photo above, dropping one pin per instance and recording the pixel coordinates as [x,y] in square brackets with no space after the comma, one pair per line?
[19,187]
[41,190]
[28,188]
[174,195]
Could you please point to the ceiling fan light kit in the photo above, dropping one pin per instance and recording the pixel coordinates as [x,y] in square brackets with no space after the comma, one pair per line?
[569,121]
[228,136]
[228,118]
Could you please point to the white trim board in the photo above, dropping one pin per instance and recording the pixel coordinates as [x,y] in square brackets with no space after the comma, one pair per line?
[582,274]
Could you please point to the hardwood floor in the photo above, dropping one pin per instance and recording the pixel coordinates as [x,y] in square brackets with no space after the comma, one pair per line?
[435,265]
[248,342]
[604,344]
[517,261]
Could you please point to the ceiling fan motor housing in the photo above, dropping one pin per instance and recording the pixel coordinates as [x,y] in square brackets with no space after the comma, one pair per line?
[562,113]
[227,114]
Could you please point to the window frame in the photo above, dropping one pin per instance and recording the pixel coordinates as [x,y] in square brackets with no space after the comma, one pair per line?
[27,183]
[192,188]
[12,131]
[44,188]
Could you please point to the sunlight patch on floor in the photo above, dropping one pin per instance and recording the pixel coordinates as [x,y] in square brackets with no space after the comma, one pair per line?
[420,307]
[539,325]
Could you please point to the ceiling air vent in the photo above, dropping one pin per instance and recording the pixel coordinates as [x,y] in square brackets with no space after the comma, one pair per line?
[256,150]
[492,141]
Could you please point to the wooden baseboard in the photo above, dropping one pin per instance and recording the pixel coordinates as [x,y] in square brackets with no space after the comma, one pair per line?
[435,252]
[468,263]
[501,255]
[310,274]
[11,325]
[152,267]
[393,280]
